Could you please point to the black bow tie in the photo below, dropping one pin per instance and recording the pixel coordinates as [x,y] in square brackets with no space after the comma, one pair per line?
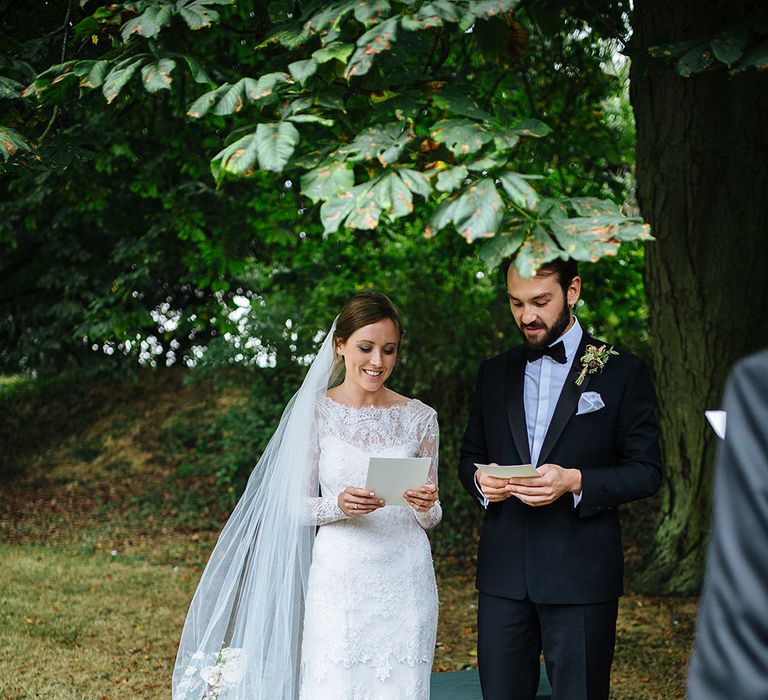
[556,352]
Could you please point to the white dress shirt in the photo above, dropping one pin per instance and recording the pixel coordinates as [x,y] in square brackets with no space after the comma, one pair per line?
[544,380]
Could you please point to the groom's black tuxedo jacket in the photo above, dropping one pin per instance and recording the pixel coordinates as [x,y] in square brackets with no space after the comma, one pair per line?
[561,554]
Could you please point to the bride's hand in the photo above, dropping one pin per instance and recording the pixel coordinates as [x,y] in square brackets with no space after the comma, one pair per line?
[423,498]
[354,501]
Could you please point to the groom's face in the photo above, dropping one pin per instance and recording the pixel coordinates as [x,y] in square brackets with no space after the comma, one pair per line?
[540,306]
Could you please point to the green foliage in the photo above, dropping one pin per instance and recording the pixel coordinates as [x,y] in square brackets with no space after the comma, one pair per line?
[115,246]
[353,84]
[741,46]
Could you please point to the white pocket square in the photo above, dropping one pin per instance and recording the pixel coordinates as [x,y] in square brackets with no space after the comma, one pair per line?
[589,402]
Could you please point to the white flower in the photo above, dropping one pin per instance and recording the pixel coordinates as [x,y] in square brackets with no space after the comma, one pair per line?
[211,675]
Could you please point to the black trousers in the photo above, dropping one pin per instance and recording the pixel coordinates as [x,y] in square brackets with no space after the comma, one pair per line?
[577,641]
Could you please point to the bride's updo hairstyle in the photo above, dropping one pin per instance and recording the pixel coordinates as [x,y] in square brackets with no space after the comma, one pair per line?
[362,310]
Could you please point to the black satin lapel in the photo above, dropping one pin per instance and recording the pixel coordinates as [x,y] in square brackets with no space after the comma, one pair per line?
[567,403]
[515,405]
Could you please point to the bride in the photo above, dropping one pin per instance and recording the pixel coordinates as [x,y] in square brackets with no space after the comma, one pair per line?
[316,588]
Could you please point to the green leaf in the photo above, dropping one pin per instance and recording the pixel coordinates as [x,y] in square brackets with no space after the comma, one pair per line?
[310,119]
[672,49]
[494,250]
[695,60]
[459,103]
[757,57]
[297,106]
[149,23]
[592,206]
[231,101]
[327,180]
[301,71]
[11,142]
[290,38]
[365,211]
[553,208]
[384,143]
[729,47]
[202,105]
[198,13]
[331,16]
[537,249]
[504,140]
[368,12]
[227,99]
[9,88]
[334,51]
[519,191]
[532,127]
[263,89]
[377,39]
[587,238]
[120,74]
[196,69]
[416,181]
[335,210]
[490,8]
[592,237]
[393,196]
[448,180]
[485,164]
[275,143]
[476,213]
[461,136]
[157,76]
[431,16]
[239,158]
[96,75]
[331,99]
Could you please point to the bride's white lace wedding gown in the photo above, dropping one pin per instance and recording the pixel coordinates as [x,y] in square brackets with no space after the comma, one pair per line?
[371,604]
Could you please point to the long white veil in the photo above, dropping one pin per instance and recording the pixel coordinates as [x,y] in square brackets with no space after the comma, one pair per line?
[242,636]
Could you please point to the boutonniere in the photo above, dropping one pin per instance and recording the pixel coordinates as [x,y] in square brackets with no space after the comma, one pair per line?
[594,360]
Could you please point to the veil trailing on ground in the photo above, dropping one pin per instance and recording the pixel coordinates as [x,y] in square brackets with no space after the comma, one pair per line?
[242,636]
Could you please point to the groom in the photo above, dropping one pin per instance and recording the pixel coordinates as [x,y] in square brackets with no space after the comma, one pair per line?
[550,564]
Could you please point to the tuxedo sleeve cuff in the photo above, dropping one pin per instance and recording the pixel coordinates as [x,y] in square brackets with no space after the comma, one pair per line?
[480,495]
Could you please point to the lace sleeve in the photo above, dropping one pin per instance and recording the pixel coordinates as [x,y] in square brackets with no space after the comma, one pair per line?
[321,510]
[429,447]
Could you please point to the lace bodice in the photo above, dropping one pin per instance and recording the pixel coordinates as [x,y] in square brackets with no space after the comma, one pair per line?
[346,437]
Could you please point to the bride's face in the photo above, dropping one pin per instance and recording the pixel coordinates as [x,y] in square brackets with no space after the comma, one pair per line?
[370,354]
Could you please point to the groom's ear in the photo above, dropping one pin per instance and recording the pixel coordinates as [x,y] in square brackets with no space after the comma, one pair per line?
[574,291]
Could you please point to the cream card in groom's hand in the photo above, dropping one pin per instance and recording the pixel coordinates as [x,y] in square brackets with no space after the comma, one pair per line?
[512,471]
[390,477]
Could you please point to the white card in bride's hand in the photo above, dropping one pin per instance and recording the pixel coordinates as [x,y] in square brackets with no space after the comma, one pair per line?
[390,477]
[512,471]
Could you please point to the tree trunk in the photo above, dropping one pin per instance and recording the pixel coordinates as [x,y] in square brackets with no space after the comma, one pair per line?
[702,184]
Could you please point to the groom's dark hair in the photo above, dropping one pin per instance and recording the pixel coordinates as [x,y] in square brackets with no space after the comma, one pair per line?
[565,270]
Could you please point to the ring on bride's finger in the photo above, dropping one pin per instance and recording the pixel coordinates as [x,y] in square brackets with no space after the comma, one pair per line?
[354,506]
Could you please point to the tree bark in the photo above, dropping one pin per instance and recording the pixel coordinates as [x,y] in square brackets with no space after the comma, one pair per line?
[702,184]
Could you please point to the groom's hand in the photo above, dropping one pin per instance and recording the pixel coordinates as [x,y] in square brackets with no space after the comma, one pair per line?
[493,489]
[547,488]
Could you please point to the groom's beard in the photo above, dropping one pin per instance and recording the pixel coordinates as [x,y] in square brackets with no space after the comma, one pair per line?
[553,332]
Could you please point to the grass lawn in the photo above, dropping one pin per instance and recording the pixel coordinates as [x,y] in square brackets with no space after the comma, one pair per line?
[102,543]
[79,626]
[79,623]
